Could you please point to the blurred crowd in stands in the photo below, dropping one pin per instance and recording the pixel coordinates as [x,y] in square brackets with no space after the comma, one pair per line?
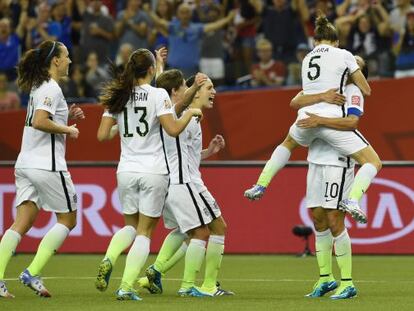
[238,43]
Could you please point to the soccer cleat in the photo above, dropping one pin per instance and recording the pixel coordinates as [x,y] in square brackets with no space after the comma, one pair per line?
[104,274]
[35,283]
[184,292]
[321,289]
[154,279]
[353,208]
[255,193]
[151,287]
[4,292]
[198,292]
[346,293]
[130,294]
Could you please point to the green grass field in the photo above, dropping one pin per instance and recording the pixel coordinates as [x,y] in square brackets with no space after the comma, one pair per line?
[260,283]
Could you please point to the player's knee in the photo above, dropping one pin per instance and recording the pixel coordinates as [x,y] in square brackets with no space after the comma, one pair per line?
[200,233]
[218,227]
[336,226]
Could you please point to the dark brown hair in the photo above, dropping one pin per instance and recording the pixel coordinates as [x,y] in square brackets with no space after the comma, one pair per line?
[117,92]
[324,30]
[170,79]
[33,68]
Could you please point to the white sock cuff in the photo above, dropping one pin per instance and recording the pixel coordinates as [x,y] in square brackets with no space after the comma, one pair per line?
[218,239]
[322,234]
[344,235]
[61,228]
[281,151]
[369,169]
[183,247]
[13,233]
[198,242]
[131,231]
[142,239]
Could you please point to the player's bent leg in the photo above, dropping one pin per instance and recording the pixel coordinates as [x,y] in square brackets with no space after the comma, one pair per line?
[277,161]
[50,243]
[137,256]
[194,258]
[121,240]
[323,246]
[371,164]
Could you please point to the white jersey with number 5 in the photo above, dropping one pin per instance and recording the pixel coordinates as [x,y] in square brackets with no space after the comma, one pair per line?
[41,150]
[140,131]
[324,68]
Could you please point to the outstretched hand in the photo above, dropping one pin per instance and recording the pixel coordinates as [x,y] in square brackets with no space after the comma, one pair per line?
[161,55]
[216,144]
[76,113]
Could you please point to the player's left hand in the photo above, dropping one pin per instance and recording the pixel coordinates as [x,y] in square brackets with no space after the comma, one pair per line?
[216,144]
[76,113]
[311,122]
[161,55]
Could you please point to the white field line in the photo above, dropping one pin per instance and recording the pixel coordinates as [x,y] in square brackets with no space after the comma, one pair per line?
[222,280]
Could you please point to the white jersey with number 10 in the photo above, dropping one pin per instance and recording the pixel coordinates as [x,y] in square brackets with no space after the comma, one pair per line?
[324,68]
[140,131]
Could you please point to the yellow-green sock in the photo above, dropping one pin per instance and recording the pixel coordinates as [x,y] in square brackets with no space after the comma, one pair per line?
[323,245]
[180,253]
[170,246]
[48,247]
[193,261]
[214,256]
[8,245]
[343,253]
[120,242]
[277,161]
[362,180]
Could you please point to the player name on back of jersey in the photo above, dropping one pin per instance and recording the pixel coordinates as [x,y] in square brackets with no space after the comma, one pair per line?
[142,95]
[321,49]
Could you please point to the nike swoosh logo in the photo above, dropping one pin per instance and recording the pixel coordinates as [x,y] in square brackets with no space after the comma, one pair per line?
[329,200]
[341,255]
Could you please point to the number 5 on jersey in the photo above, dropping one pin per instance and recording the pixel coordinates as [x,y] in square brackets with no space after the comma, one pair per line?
[314,69]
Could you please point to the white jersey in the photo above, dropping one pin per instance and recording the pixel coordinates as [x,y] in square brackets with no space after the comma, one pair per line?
[325,68]
[321,152]
[194,153]
[140,131]
[177,155]
[39,149]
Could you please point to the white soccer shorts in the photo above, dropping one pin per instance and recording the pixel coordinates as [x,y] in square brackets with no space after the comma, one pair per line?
[188,209]
[142,192]
[51,191]
[345,142]
[327,185]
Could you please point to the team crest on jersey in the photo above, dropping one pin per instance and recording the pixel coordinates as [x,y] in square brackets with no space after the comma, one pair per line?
[356,100]
[167,104]
[47,102]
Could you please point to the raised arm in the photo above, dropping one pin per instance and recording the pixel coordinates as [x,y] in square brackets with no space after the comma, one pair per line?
[331,96]
[174,127]
[361,82]
[220,23]
[189,94]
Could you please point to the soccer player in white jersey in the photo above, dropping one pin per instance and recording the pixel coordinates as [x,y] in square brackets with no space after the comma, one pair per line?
[140,111]
[326,67]
[42,177]
[189,205]
[329,179]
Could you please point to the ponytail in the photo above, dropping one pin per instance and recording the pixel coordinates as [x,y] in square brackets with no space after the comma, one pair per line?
[33,68]
[324,30]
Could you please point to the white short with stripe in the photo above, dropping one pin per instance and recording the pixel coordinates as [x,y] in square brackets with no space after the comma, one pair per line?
[345,142]
[51,191]
[188,209]
[327,185]
[142,192]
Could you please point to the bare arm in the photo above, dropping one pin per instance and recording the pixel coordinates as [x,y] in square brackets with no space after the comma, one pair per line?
[190,93]
[216,144]
[361,82]
[348,123]
[343,7]
[331,96]
[42,122]
[174,127]
[107,129]
[219,23]
[158,21]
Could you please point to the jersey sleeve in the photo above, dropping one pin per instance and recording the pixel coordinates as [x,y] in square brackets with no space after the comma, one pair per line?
[48,99]
[163,105]
[350,62]
[354,101]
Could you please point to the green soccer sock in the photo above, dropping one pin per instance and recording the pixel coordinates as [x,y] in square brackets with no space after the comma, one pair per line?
[180,253]
[277,161]
[193,261]
[137,256]
[170,246]
[8,246]
[214,256]
[47,247]
[343,252]
[362,180]
[120,242]
[323,245]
